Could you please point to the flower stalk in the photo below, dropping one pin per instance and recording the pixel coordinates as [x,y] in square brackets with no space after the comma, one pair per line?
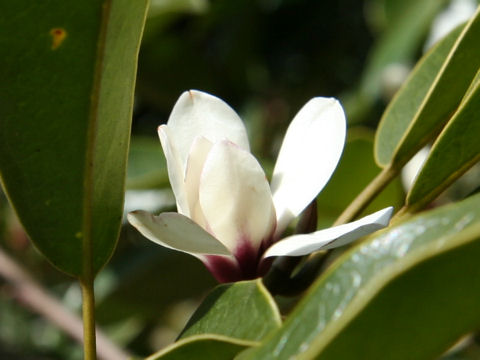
[88,314]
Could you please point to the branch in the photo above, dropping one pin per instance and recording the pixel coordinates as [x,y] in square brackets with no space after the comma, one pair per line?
[33,296]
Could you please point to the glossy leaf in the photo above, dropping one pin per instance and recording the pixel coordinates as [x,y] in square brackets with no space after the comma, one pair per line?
[202,347]
[66,102]
[231,318]
[454,152]
[348,312]
[440,101]
[224,312]
[429,322]
[402,109]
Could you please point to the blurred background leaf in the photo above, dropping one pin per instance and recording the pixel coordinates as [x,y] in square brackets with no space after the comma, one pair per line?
[147,168]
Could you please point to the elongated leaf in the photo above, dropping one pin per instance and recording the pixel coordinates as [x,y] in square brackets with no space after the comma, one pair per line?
[202,347]
[427,323]
[440,102]
[66,100]
[406,103]
[473,86]
[406,293]
[224,312]
[454,152]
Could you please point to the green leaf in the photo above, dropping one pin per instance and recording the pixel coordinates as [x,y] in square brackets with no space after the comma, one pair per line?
[426,324]
[406,293]
[407,101]
[232,317]
[224,312]
[396,143]
[146,164]
[454,152]
[66,102]
[202,347]
[473,86]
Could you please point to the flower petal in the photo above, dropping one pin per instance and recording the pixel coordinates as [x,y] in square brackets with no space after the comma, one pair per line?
[196,160]
[299,245]
[200,114]
[235,198]
[175,169]
[309,154]
[177,232]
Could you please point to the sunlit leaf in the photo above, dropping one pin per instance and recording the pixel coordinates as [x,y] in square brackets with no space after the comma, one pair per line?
[402,109]
[231,318]
[397,145]
[224,311]
[202,347]
[454,152]
[406,293]
[67,93]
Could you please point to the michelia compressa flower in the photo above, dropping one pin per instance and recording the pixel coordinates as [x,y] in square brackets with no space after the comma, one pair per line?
[229,216]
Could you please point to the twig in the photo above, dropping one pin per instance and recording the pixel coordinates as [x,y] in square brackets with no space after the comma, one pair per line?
[32,295]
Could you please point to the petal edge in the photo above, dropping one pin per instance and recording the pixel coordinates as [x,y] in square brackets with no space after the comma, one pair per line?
[177,232]
[308,156]
[304,244]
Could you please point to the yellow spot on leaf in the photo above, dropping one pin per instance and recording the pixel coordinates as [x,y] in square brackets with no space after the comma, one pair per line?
[79,235]
[58,35]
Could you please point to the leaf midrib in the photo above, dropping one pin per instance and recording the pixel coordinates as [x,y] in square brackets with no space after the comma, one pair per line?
[88,185]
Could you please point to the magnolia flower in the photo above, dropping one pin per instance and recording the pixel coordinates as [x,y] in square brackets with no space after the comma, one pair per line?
[229,216]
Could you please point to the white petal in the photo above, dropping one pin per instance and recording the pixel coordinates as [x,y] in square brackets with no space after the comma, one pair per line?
[413,167]
[196,160]
[309,154]
[149,200]
[175,231]
[299,245]
[235,197]
[200,114]
[175,169]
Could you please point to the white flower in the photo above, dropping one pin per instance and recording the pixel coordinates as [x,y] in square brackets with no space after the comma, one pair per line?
[228,215]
